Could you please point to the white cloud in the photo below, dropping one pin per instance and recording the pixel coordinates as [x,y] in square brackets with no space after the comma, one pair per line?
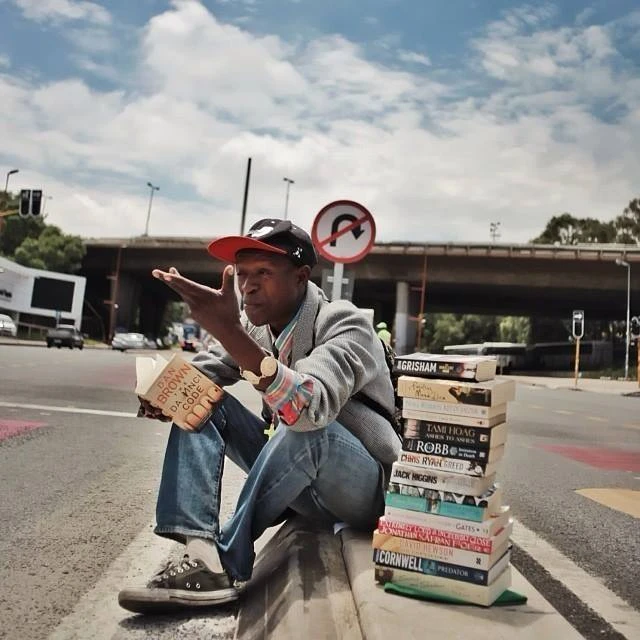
[63,10]
[429,160]
[5,61]
[414,57]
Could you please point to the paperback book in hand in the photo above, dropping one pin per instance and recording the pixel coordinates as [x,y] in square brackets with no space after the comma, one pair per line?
[179,389]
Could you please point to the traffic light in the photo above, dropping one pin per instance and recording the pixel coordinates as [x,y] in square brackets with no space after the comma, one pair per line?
[577,324]
[635,326]
[36,202]
[25,203]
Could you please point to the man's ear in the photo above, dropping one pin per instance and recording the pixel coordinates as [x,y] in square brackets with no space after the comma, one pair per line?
[304,274]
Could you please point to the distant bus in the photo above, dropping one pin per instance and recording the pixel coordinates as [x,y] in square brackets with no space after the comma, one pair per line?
[560,356]
[510,356]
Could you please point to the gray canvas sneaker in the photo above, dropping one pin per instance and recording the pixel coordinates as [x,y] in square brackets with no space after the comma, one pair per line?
[180,585]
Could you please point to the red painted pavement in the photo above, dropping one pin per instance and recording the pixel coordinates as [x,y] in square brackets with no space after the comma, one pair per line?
[10,428]
[598,457]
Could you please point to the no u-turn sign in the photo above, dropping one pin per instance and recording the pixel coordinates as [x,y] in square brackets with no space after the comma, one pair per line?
[343,231]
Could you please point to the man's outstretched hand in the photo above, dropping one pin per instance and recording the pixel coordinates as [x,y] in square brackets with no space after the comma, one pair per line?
[215,310]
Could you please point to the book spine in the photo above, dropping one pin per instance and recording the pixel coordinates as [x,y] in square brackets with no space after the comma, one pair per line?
[454,465]
[448,392]
[436,507]
[453,419]
[434,406]
[430,567]
[455,590]
[451,555]
[477,544]
[432,479]
[434,369]
[452,435]
[485,529]
[486,499]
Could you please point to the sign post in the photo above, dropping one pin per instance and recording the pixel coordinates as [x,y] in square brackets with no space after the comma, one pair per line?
[635,332]
[343,232]
[577,329]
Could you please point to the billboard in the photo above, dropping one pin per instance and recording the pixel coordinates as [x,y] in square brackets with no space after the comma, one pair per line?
[40,292]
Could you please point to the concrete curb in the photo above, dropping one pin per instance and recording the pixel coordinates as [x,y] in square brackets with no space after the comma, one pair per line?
[299,589]
[383,616]
[310,582]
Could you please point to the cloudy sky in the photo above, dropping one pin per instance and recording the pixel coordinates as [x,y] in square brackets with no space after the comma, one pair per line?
[439,117]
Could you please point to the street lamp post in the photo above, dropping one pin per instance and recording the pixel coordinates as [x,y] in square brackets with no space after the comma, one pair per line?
[286,201]
[152,189]
[493,231]
[622,263]
[6,182]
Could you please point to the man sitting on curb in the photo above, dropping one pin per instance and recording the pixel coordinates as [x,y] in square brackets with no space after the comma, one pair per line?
[328,458]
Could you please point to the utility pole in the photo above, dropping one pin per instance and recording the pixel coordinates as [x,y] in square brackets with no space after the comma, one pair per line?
[286,201]
[246,196]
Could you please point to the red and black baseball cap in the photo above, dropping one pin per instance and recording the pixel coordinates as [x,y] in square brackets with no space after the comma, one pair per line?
[272,235]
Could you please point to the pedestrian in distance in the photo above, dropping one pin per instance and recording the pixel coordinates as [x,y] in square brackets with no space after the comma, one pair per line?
[383,333]
[317,450]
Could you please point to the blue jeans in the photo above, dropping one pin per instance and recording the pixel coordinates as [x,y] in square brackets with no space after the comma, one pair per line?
[325,475]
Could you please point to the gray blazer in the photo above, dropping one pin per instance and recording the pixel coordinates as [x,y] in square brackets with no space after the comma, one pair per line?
[334,344]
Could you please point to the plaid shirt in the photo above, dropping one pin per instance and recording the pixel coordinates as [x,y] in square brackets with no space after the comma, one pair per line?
[290,392]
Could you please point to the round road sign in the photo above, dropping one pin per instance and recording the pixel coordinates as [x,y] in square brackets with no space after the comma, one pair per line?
[343,231]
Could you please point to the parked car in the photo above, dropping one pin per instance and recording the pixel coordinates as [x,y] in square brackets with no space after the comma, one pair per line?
[7,326]
[65,335]
[124,341]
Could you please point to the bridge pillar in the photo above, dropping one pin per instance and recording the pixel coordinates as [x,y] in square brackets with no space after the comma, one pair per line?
[128,294]
[152,308]
[401,321]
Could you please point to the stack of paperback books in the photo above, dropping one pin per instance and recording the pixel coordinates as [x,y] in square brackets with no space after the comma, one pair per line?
[445,532]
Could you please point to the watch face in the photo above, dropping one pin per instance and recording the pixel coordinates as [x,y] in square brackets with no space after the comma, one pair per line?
[268,366]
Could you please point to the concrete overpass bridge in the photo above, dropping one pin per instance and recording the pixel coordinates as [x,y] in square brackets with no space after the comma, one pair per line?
[498,279]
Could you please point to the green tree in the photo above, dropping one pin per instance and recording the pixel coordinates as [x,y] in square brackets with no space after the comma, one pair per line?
[15,230]
[627,225]
[514,329]
[51,250]
[567,229]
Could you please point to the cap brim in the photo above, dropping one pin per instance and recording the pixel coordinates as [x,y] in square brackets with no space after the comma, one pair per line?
[226,248]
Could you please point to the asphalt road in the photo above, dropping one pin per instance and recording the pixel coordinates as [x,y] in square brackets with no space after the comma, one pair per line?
[77,487]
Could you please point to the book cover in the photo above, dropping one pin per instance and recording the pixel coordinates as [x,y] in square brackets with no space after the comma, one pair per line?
[452,555]
[179,389]
[421,436]
[469,542]
[452,367]
[451,408]
[395,560]
[451,418]
[485,463]
[484,394]
[445,481]
[446,587]
[486,529]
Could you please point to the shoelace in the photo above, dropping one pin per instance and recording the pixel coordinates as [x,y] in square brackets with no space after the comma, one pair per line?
[174,567]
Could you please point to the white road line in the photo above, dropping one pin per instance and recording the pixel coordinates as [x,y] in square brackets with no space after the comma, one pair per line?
[597,419]
[589,589]
[98,614]
[42,407]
